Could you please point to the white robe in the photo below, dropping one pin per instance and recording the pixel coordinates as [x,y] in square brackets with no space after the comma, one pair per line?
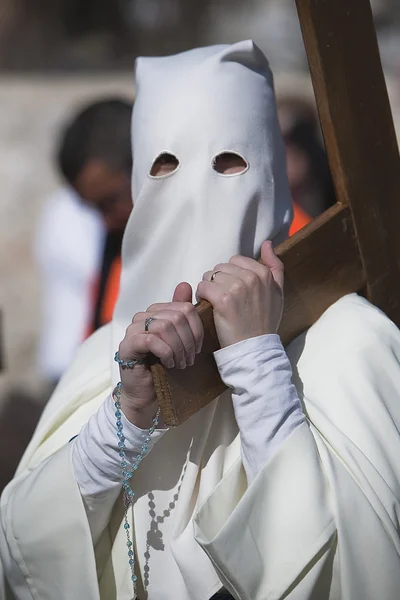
[320,521]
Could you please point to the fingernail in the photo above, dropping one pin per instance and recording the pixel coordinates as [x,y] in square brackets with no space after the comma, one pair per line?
[171,364]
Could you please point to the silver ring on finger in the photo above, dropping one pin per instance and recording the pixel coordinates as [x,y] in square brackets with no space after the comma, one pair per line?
[148,322]
[213,276]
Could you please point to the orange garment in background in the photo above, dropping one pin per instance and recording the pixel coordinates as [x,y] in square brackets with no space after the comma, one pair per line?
[109,298]
[105,288]
[300,219]
[111,292]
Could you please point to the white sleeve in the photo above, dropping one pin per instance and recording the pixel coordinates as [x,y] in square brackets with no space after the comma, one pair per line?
[97,464]
[267,406]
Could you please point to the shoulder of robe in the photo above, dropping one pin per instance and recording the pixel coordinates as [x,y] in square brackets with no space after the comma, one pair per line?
[352,325]
[93,358]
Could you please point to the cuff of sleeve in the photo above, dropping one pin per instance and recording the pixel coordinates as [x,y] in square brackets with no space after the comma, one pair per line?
[134,435]
[269,341]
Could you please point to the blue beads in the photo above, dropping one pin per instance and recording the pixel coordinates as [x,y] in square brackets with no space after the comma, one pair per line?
[127,469]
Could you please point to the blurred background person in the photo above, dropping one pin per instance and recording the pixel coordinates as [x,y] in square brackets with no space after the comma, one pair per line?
[79,238]
[69,243]
[309,176]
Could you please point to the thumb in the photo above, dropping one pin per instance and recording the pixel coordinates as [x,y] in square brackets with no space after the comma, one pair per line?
[183,293]
[274,264]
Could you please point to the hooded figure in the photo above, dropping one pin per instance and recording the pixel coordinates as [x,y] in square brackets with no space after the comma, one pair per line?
[271,491]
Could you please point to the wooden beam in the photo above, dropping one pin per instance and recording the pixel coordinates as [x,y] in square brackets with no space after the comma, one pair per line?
[322,264]
[357,124]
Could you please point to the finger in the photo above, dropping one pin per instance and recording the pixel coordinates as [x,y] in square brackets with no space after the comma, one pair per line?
[190,312]
[249,265]
[226,280]
[275,265]
[182,329]
[165,330]
[136,345]
[235,271]
[221,268]
[214,294]
[183,293]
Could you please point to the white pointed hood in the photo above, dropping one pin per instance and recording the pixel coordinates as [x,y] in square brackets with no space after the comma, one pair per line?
[196,105]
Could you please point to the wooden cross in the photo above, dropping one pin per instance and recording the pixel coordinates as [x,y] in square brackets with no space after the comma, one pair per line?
[355,245]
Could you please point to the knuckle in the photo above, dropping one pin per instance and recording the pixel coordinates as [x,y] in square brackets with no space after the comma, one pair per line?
[152,308]
[251,279]
[266,275]
[268,278]
[237,287]
[219,267]
[148,340]
[190,347]
[187,308]
[176,318]
[167,352]
[225,301]
[164,326]
[130,331]
[137,317]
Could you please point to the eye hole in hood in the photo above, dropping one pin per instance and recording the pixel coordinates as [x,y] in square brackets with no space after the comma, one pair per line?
[229,164]
[165,164]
